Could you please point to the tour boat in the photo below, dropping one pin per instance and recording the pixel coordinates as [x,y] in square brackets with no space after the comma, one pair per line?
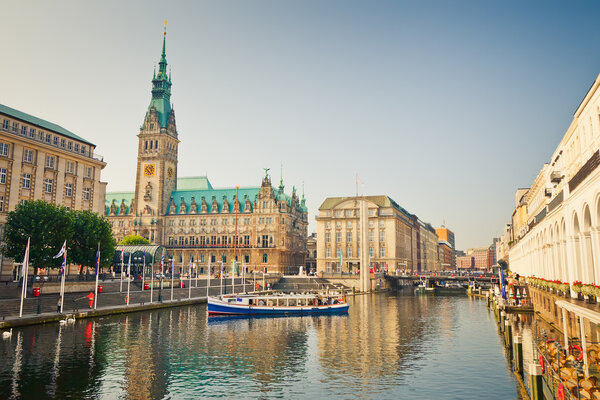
[277,304]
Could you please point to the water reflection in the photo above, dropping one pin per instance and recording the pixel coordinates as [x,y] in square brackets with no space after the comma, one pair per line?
[388,346]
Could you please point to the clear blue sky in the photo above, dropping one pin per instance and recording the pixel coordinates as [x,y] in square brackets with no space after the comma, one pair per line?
[445,106]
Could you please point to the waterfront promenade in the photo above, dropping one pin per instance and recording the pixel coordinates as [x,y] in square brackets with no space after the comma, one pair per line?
[111,301]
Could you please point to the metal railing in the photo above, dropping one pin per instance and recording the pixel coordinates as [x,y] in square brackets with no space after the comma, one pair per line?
[563,368]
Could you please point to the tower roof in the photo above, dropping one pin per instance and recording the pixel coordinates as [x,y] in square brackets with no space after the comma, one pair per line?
[161,87]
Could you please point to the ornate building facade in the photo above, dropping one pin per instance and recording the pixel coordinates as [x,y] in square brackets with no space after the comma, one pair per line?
[40,160]
[555,229]
[261,226]
[397,239]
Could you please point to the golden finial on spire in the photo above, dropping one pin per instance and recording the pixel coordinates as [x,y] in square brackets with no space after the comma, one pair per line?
[165,31]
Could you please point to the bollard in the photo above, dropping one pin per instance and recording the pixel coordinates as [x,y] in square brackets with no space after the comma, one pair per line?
[508,335]
[536,385]
[518,352]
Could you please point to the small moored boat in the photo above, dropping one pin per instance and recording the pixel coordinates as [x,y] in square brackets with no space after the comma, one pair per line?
[273,304]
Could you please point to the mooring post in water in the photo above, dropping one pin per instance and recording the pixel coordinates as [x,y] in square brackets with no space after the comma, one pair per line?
[518,353]
[502,319]
[535,385]
[508,334]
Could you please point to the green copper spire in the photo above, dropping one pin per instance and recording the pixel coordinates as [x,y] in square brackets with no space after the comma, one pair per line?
[161,87]
[163,56]
[281,187]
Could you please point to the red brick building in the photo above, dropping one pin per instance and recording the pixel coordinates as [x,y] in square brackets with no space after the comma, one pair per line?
[464,262]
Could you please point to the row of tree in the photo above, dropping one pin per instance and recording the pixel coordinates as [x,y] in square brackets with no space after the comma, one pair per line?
[48,226]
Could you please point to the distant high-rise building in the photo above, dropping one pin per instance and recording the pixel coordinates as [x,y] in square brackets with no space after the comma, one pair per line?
[446,235]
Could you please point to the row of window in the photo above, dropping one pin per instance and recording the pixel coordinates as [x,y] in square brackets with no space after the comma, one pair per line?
[338,236]
[224,240]
[223,259]
[209,240]
[349,252]
[349,213]
[224,221]
[48,185]
[44,137]
[51,161]
[338,224]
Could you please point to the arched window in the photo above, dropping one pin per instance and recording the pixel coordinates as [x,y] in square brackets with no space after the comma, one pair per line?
[265,258]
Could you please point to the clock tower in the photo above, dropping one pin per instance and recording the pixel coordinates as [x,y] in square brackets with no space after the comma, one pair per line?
[156,174]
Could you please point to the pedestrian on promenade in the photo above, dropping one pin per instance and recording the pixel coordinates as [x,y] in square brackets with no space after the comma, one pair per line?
[58,304]
[90,298]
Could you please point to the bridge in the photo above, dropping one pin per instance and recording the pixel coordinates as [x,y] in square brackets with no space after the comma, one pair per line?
[397,281]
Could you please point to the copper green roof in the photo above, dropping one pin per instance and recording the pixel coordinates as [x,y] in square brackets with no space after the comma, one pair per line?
[219,195]
[118,198]
[193,183]
[30,119]
[381,201]
[161,90]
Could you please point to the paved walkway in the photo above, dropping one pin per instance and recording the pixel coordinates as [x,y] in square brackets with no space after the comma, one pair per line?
[111,297]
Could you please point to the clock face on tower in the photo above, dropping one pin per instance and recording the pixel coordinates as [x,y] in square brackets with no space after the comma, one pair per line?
[149,170]
[170,172]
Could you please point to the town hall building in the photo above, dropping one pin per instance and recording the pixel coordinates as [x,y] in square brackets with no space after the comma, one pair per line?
[262,226]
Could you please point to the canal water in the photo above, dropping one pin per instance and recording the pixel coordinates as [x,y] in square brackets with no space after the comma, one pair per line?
[388,346]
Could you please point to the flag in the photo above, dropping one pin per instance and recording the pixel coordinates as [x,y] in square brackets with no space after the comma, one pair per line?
[341,259]
[144,258]
[129,266]
[122,251]
[98,259]
[502,287]
[162,262]
[25,259]
[62,250]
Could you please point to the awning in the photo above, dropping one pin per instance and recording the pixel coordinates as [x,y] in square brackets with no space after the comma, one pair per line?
[137,251]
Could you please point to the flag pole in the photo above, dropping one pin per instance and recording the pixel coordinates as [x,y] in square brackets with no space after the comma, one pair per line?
[172,266]
[121,285]
[143,270]
[208,276]
[128,277]
[190,279]
[152,278]
[24,268]
[62,281]
[97,271]
[221,275]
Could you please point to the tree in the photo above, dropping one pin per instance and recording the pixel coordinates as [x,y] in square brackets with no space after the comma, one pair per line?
[89,229]
[47,225]
[134,239]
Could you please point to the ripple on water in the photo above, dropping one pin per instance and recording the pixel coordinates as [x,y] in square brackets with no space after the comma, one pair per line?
[388,346]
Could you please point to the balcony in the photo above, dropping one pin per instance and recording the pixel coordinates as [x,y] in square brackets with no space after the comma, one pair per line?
[556,176]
